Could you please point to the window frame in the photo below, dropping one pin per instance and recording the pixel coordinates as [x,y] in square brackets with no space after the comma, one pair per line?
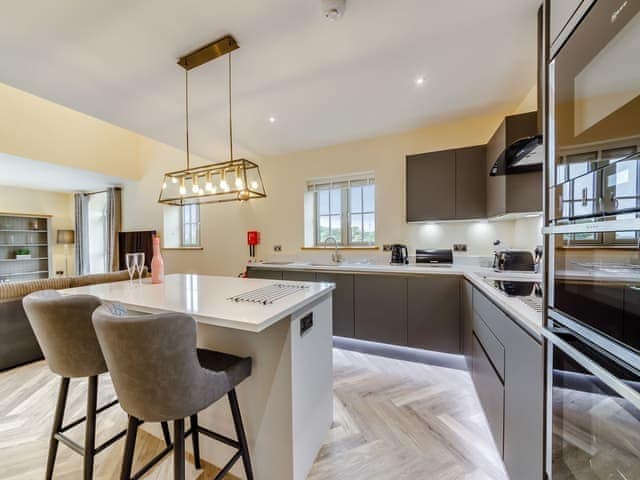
[345,210]
[190,224]
[602,238]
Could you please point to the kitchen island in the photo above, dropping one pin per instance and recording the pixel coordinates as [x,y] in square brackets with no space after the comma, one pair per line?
[287,403]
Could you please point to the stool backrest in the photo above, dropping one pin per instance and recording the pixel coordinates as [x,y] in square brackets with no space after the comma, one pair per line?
[62,324]
[153,363]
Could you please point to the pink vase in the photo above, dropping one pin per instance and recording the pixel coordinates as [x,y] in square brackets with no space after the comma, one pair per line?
[157,264]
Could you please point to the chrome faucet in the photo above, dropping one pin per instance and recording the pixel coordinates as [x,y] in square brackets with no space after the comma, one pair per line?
[336,257]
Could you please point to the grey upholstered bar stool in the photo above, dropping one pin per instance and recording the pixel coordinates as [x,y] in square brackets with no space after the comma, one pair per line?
[62,325]
[159,375]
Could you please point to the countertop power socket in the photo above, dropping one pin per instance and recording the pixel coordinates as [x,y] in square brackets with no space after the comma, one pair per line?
[459,247]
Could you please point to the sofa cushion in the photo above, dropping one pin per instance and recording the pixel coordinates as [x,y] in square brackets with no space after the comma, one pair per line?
[22,289]
[95,278]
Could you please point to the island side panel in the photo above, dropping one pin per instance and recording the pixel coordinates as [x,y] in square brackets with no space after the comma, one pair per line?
[311,382]
[265,400]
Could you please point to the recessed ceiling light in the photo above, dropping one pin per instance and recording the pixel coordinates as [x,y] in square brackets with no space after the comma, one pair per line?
[272,119]
[420,81]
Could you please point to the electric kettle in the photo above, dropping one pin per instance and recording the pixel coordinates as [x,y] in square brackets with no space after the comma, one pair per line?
[399,254]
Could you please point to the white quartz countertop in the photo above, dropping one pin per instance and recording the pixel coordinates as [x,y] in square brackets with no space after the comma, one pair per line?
[528,318]
[207,298]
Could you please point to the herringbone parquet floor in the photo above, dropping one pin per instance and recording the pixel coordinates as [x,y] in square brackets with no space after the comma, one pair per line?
[393,419]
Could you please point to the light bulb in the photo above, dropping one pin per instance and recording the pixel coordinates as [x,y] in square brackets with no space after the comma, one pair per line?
[164,185]
[223,182]
[208,186]
[239,182]
[174,180]
[183,189]
[254,185]
[195,188]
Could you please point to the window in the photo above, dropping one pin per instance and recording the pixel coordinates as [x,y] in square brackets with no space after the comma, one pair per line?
[344,208]
[97,232]
[190,222]
[575,167]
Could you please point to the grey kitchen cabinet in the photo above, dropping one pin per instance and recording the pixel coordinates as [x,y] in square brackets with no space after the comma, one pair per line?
[343,302]
[433,313]
[524,404]
[381,308]
[470,187]
[466,319]
[560,12]
[430,186]
[302,276]
[264,273]
[516,193]
[523,389]
[490,392]
[446,185]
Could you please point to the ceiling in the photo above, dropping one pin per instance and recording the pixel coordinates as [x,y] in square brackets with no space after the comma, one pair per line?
[27,173]
[325,83]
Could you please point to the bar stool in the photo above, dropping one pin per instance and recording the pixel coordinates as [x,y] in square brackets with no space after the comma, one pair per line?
[63,328]
[160,375]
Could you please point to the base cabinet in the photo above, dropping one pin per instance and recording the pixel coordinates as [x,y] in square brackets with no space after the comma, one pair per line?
[522,389]
[343,314]
[466,319]
[433,313]
[264,273]
[490,392]
[381,308]
[295,276]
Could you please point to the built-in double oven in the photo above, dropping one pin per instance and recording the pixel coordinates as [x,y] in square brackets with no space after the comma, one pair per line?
[593,244]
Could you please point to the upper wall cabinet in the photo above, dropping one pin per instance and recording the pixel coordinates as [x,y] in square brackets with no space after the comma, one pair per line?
[515,193]
[560,12]
[446,185]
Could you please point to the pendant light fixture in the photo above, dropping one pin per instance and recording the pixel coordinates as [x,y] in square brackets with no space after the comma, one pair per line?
[233,180]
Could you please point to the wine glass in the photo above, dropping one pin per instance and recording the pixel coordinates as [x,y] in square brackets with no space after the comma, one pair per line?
[139,266]
[132,262]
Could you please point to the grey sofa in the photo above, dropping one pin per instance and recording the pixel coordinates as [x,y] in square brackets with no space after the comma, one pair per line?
[18,344]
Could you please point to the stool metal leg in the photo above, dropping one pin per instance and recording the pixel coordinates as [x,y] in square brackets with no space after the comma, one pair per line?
[165,433]
[57,425]
[242,437]
[178,449]
[90,430]
[129,448]
[196,441]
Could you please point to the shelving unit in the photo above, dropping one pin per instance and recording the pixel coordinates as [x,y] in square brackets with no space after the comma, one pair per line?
[32,232]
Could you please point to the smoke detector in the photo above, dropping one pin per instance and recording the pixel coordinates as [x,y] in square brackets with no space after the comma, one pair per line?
[333,9]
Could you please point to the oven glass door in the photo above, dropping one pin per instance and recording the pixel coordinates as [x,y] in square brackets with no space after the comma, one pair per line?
[595,431]
[596,282]
[596,92]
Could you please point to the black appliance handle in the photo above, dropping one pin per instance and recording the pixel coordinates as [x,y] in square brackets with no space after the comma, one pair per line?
[609,379]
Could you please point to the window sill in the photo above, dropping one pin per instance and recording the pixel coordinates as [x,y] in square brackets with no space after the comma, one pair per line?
[188,249]
[372,247]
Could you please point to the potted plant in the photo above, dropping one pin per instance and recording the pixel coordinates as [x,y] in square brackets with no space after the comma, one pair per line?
[23,253]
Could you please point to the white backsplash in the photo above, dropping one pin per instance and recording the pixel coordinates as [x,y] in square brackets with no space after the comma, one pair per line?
[524,233]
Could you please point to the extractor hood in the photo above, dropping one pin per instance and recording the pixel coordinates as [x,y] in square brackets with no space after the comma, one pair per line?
[522,156]
[522,134]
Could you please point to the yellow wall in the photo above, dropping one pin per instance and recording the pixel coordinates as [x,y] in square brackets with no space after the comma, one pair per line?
[58,205]
[279,217]
[31,127]
[38,129]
